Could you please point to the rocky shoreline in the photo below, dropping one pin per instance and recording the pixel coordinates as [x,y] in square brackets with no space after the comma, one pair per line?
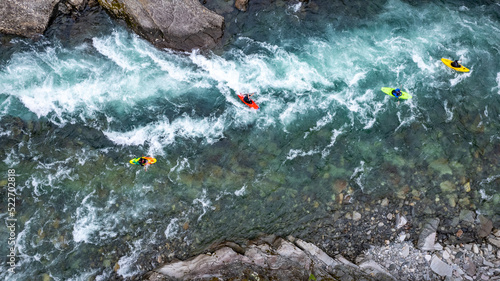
[179,25]
[377,243]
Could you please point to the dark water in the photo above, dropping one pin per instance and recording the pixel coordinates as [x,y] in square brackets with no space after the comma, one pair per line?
[74,112]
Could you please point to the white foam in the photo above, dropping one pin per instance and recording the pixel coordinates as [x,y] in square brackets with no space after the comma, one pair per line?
[128,267]
[172,228]
[490,179]
[321,123]
[449,112]
[485,196]
[11,159]
[110,47]
[357,77]
[333,139]
[294,153]
[85,224]
[90,225]
[358,174]
[498,82]
[296,7]
[241,191]
[460,78]
[161,134]
[205,203]
[181,165]
[421,64]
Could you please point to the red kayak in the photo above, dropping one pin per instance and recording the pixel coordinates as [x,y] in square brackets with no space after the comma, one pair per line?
[252,105]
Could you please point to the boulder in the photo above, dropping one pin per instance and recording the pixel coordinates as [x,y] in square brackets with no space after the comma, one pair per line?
[27,18]
[177,24]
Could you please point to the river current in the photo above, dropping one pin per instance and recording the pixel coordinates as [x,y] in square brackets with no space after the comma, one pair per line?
[73,113]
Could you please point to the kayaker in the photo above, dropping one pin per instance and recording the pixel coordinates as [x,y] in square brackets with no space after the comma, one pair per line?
[247,98]
[142,161]
[397,93]
[456,63]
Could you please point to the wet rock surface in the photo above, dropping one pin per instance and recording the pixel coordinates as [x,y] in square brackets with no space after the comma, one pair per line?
[181,25]
[268,258]
[388,242]
[26,18]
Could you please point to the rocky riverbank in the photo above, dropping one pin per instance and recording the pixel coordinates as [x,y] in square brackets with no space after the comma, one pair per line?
[180,25]
[467,247]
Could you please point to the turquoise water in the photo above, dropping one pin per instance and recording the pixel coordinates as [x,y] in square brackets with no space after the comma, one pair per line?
[73,115]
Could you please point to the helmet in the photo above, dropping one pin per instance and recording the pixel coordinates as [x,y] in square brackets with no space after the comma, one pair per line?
[397,90]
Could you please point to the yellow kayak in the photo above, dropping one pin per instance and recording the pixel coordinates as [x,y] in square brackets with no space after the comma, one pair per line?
[448,62]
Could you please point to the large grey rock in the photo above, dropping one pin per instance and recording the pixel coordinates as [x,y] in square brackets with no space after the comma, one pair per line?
[260,259]
[270,260]
[427,237]
[441,268]
[26,18]
[176,24]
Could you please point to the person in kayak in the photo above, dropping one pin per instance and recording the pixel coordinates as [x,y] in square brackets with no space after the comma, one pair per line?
[397,93]
[142,161]
[456,64]
[247,98]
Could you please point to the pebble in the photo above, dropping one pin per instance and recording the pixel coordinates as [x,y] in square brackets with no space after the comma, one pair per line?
[475,249]
[487,263]
[389,216]
[385,202]
[446,255]
[356,216]
[405,252]
[458,270]
[440,267]
[428,257]
[402,237]
[400,221]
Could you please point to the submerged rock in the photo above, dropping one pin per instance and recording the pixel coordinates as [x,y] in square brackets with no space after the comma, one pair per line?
[485,227]
[241,5]
[181,25]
